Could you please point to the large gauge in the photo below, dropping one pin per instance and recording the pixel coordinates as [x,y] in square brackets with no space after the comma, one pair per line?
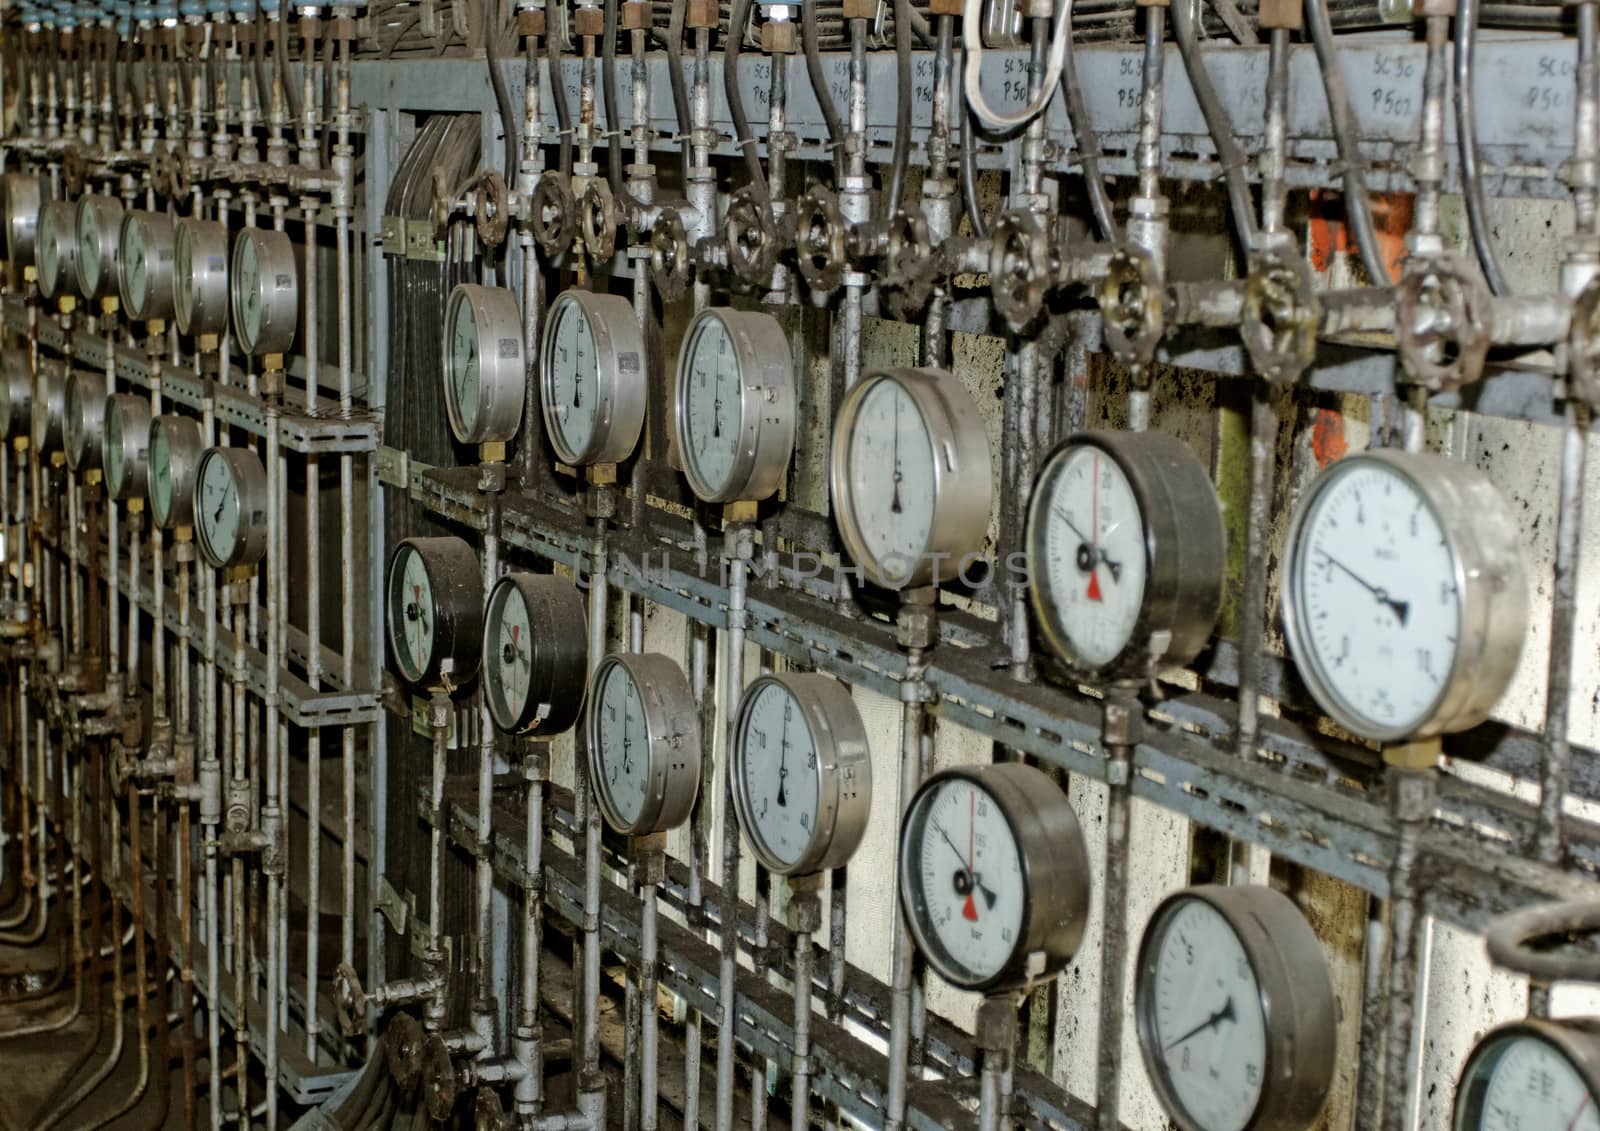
[175,450]
[802,773]
[16,394]
[1235,1010]
[1407,600]
[734,413]
[911,479]
[994,876]
[127,445]
[266,291]
[83,409]
[48,402]
[149,247]
[230,502]
[535,653]
[1125,536]
[200,277]
[435,609]
[592,376]
[484,375]
[1532,1074]
[644,743]
[99,233]
[57,251]
[23,199]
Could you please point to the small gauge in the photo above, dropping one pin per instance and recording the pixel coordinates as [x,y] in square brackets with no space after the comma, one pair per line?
[802,772]
[83,409]
[175,451]
[149,246]
[57,250]
[23,199]
[1125,532]
[735,405]
[1235,1010]
[484,376]
[230,503]
[127,444]
[200,277]
[1407,598]
[535,653]
[911,480]
[1532,1074]
[592,375]
[49,397]
[16,394]
[266,291]
[435,588]
[99,234]
[994,876]
[644,743]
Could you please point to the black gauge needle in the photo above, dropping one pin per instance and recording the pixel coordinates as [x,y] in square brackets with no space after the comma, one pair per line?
[894,502]
[783,761]
[1400,608]
[1217,1018]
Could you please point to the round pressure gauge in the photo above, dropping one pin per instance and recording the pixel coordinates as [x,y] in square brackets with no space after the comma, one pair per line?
[535,653]
[57,250]
[83,420]
[911,480]
[435,591]
[1530,1074]
[99,228]
[644,743]
[592,376]
[175,451]
[1407,600]
[266,291]
[735,405]
[230,502]
[200,277]
[49,397]
[802,773]
[16,394]
[994,876]
[1125,534]
[149,243]
[23,196]
[484,377]
[1235,1010]
[127,444]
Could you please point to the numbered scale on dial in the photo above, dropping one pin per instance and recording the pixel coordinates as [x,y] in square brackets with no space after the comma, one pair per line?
[16,394]
[435,611]
[127,445]
[175,450]
[994,876]
[592,376]
[1235,1010]
[1407,598]
[1125,536]
[266,291]
[802,772]
[83,420]
[644,743]
[200,277]
[48,402]
[484,377]
[22,197]
[146,261]
[1532,1073]
[99,233]
[230,501]
[57,250]
[911,478]
[535,653]
[734,405]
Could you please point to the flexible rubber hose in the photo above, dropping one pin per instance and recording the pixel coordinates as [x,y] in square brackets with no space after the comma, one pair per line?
[680,91]
[558,95]
[819,84]
[901,156]
[1088,143]
[730,87]
[1467,145]
[1229,155]
[502,98]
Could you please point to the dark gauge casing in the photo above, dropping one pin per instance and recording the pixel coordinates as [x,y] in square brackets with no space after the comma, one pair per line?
[1574,1039]
[179,438]
[455,580]
[83,420]
[200,277]
[99,232]
[23,196]
[127,430]
[16,394]
[57,250]
[672,742]
[558,658]
[250,481]
[266,291]
[145,265]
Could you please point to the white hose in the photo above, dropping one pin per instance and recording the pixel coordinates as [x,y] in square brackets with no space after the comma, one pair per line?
[971,21]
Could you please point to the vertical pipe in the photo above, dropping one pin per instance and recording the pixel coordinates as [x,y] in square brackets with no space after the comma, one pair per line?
[730,659]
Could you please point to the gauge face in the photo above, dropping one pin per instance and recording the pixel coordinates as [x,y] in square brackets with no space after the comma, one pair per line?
[892,477]
[779,773]
[508,655]
[712,393]
[411,613]
[145,264]
[58,250]
[218,503]
[1517,1080]
[127,439]
[484,375]
[98,226]
[623,744]
[593,378]
[247,290]
[464,369]
[644,743]
[116,463]
[135,268]
[573,369]
[265,291]
[82,421]
[160,475]
[183,276]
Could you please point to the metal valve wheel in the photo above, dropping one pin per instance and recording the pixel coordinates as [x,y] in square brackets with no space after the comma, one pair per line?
[820,236]
[669,255]
[1019,267]
[1133,306]
[74,172]
[1583,345]
[911,266]
[552,213]
[403,1042]
[492,209]
[1442,322]
[751,238]
[349,1001]
[598,220]
[1281,315]
[440,1088]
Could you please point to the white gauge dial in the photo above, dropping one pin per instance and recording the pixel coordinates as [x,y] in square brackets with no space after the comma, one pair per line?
[434,591]
[230,501]
[711,403]
[778,767]
[411,613]
[464,368]
[160,485]
[534,653]
[266,295]
[175,450]
[484,374]
[218,503]
[574,375]
[127,438]
[891,477]
[644,743]
[247,290]
[99,233]
[83,420]
[1523,1076]
[58,250]
[1094,552]
[135,268]
[623,747]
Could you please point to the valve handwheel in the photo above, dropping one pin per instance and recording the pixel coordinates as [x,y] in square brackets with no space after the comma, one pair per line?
[1133,305]
[820,239]
[1281,315]
[1442,322]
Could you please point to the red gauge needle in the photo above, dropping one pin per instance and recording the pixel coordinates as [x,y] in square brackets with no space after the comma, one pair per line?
[1581,1109]
[1094,531]
[969,910]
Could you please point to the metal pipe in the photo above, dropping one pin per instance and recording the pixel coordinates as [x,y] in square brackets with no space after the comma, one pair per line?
[738,547]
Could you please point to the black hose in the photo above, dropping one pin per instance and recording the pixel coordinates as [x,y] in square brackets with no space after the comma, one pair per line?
[1088,143]
[281,49]
[680,90]
[259,69]
[901,155]
[1229,155]
[1467,143]
[730,87]
[508,119]
[558,95]
[819,84]
[608,78]
[1357,204]
[969,168]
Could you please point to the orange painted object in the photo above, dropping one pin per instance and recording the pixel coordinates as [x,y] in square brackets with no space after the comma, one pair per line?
[1328,442]
[1329,234]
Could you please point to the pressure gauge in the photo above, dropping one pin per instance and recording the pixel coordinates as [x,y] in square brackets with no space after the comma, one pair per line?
[200,277]
[735,405]
[802,772]
[1532,1074]
[266,291]
[1407,599]
[230,502]
[99,228]
[592,376]
[24,198]
[911,480]
[994,876]
[484,375]
[1125,536]
[127,444]
[57,250]
[16,394]
[644,743]
[49,396]
[175,451]
[83,420]
[535,653]
[1235,1010]
[435,591]
[149,246]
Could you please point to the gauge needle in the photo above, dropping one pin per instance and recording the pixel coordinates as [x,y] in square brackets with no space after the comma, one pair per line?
[1217,1018]
[894,501]
[1583,1107]
[783,761]
[1400,608]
